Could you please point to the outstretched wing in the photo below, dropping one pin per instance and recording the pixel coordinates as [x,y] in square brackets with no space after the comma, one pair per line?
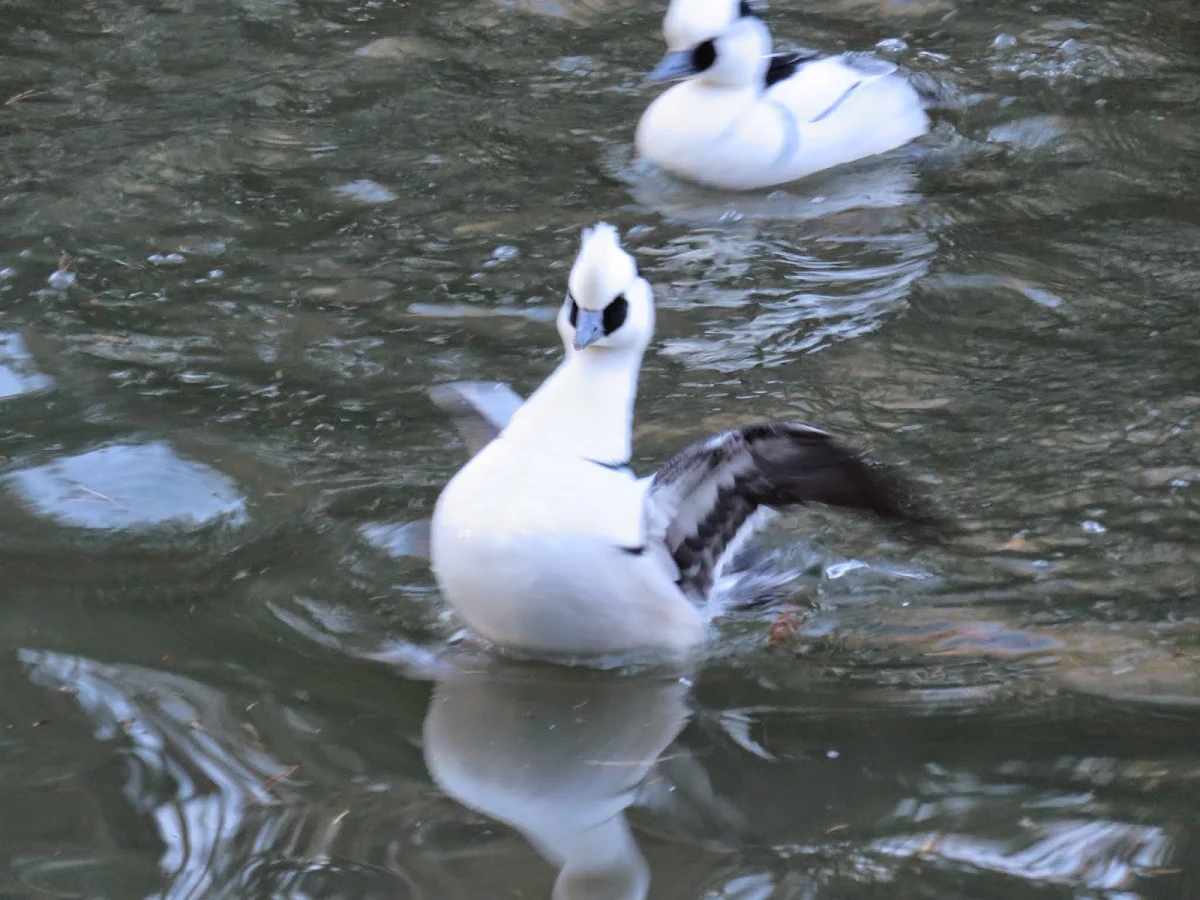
[710,496]
[480,409]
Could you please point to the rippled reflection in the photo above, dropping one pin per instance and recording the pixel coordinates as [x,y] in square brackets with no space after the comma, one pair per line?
[831,810]
[889,182]
[229,817]
[189,767]
[609,778]
[1086,855]
[787,272]
[559,759]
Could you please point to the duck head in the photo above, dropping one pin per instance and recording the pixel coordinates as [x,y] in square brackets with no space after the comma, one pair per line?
[609,306]
[719,42]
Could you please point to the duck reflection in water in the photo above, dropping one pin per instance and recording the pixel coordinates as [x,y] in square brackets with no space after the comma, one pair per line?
[560,760]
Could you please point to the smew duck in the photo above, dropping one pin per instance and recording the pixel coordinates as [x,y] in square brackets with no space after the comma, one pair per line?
[745,118]
[546,543]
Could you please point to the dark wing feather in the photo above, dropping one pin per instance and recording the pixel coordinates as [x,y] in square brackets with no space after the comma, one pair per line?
[480,409]
[784,65]
[705,495]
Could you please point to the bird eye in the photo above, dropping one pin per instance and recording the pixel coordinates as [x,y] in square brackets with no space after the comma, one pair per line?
[704,56]
[573,315]
[615,313]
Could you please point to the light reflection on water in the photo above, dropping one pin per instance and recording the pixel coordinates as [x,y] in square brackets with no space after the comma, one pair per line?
[18,371]
[244,797]
[1117,852]
[124,486]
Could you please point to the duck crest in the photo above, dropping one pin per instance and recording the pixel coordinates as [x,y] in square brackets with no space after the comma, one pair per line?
[602,270]
[691,22]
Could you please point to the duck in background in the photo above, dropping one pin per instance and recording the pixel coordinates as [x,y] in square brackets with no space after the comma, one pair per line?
[745,118]
[546,543]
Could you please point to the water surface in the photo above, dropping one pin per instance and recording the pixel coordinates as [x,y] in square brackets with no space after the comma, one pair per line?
[239,241]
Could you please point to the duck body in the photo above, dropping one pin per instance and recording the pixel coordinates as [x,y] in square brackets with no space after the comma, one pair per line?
[542,547]
[749,120]
[540,543]
[567,588]
[827,114]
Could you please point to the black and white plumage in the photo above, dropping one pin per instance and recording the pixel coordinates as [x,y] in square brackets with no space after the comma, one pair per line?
[747,118]
[712,493]
[782,66]
[547,544]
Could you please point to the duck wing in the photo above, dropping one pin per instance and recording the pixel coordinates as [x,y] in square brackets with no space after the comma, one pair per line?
[480,409]
[861,70]
[712,495]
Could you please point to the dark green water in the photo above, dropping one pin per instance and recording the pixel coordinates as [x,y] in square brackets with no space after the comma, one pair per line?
[275,222]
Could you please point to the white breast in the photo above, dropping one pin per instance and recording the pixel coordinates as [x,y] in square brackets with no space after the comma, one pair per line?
[542,554]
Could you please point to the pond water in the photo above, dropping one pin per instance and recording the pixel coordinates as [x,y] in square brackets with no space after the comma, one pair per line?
[239,241]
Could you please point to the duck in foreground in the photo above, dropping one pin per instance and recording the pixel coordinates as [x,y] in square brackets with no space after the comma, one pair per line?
[546,544]
[745,118]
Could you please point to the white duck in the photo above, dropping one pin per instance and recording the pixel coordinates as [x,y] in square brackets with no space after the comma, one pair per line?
[746,119]
[545,543]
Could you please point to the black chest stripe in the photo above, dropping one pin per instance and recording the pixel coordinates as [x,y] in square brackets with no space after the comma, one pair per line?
[613,466]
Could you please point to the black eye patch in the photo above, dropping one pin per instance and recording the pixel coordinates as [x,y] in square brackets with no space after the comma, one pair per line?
[615,313]
[704,56]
